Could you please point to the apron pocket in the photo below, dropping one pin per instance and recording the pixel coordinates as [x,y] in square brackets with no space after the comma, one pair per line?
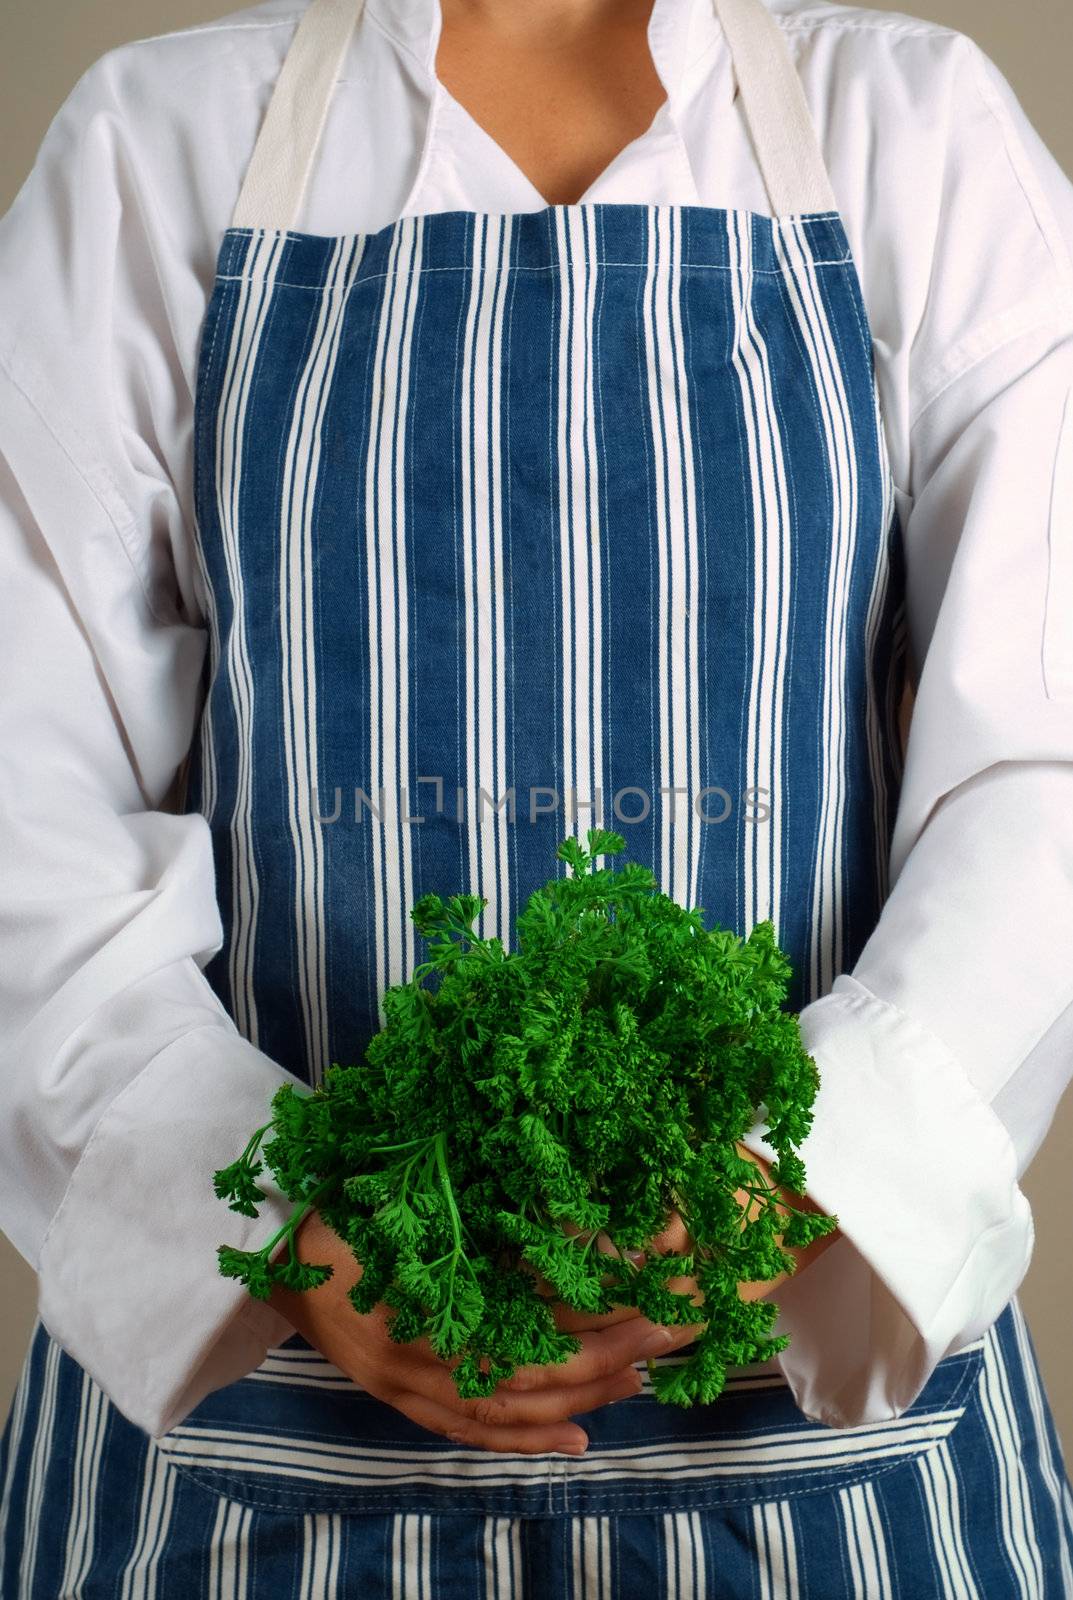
[299,1436]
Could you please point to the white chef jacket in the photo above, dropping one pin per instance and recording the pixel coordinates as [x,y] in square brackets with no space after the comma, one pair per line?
[944,1052]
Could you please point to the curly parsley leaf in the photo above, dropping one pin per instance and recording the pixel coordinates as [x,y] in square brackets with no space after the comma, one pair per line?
[525,1118]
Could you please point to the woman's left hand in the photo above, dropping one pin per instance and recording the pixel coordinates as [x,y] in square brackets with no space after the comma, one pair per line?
[675,1238]
[804,1255]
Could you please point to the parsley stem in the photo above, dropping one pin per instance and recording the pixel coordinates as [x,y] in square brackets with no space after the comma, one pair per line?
[255,1139]
[458,1255]
[427,1138]
[631,1264]
[448,1193]
[773,1193]
[649,1360]
[296,1217]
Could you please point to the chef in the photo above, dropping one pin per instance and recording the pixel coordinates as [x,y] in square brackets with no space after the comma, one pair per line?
[629,400]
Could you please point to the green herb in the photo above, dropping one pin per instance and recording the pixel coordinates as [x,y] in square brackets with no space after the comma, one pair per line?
[516,1106]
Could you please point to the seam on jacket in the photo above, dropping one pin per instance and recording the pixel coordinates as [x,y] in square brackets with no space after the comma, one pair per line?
[1056,657]
[987,339]
[867,1000]
[121,529]
[210,27]
[913,30]
[1020,166]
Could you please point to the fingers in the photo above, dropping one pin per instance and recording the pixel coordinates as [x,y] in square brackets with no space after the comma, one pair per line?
[603,1246]
[500,1415]
[567,1320]
[604,1352]
[759,1290]
[513,1438]
[532,1424]
[674,1240]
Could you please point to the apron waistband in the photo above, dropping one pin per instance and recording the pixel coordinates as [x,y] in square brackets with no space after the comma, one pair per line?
[776,111]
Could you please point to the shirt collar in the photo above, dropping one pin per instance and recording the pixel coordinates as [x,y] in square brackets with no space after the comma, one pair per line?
[679,33]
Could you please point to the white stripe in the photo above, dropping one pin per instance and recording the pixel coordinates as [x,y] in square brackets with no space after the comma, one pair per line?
[941,1492]
[591,1558]
[257,262]
[579,526]
[678,685]
[44,1422]
[206,735]
[484,584]
[229,1551]
[1052,1472]
[684,1556]
[771,533]
[255,298]
[865,1542]
[800,275]
[231,1449]
[309,1369]
[151,1530]
[877,601]
[87,1467]
[502,1559]
[411,1577]
[1018,1524]
[322,1541]
[16,1424]
[776,1550]
[301,1380]
[282,1365]
[398,1557]
[385,543]
[297,625]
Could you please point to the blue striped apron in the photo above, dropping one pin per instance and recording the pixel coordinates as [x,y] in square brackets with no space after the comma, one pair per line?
[508,525]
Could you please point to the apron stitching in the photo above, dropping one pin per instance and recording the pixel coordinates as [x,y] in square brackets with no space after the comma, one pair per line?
[433,1499]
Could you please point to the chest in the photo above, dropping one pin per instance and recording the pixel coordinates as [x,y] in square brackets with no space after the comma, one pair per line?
[507,516]
[561,102]
[515,521]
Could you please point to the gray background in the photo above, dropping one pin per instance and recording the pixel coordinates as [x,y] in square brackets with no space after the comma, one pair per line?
[47,45]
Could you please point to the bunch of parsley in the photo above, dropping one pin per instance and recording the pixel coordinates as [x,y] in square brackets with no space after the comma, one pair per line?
[517,1108]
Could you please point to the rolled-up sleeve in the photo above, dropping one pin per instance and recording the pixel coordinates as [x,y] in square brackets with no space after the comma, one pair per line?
[126,1083]
[944,1052]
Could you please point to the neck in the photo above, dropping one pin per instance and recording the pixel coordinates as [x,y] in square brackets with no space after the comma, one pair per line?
[562,19]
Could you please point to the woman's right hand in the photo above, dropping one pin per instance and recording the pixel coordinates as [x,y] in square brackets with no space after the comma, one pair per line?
[529,1416]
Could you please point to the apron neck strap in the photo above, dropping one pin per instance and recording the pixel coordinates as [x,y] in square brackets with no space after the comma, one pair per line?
[276,178]
[780,122]
[777,113]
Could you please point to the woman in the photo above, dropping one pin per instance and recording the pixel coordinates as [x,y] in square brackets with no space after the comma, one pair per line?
[405,401]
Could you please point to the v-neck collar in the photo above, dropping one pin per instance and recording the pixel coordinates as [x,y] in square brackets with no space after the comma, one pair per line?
[680,34]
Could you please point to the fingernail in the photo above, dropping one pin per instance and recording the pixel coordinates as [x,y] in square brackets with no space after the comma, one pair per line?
[626,1387]
[684,1334]
[660,1340]
[575,1446]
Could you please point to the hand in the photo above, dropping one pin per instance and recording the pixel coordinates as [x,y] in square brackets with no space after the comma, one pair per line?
[804,1255]
[528,1415]
[676,1238]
